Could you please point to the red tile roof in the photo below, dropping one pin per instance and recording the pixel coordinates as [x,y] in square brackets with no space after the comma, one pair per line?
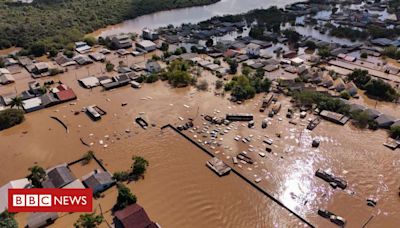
[66,95]
[134,216]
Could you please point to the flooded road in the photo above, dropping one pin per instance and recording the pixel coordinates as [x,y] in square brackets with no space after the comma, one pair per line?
[179,190]
[189,15]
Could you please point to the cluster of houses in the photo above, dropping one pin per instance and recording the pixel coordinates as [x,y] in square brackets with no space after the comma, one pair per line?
[38,97]
[61,176]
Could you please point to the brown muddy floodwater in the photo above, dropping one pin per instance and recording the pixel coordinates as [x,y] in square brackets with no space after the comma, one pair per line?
[179,190]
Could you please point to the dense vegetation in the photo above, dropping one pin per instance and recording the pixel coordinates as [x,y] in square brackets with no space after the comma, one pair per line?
[54,24]
[322,101]
[88,220]
[138,168]
[125,197]
[11,117]
[245,87]
[376,88]
[178,74]
[7,220]
[36,176]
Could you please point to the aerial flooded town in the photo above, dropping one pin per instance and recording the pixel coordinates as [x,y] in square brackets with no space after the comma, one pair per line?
[205,113]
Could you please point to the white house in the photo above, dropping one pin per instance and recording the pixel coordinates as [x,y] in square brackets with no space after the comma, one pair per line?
[146,45]
[253,49]
[18,184]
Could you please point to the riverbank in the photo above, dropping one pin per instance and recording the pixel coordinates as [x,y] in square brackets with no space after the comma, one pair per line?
[69,21]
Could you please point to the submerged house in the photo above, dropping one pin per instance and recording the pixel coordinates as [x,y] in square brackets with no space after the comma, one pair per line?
[153,67]
[41,219]
[121,41]
[253,49]
[98,181]
[334,117]
[58,177]
[385,121]
[19,184]
[146,45]
[133,216]
[6,77]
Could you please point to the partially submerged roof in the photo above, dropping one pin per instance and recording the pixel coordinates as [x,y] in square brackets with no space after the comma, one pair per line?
[58,177]
[134,216]
[40,219]
[19,184]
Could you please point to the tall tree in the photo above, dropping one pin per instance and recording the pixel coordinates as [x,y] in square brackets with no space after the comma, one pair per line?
[17,102]
[139,165]
[125,197]
[37,176]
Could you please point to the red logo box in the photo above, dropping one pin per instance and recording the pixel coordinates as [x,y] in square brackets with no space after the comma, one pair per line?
[50,200]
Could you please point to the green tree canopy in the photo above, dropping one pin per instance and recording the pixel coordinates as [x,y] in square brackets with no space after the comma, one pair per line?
[125,197]
[89,221]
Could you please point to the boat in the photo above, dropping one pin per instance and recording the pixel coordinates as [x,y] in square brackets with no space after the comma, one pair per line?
[313,123]
[218,166]
[142,123]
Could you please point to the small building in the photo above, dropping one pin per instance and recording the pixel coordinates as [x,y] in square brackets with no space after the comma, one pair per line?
[49,100]
[97,56]
[385,121]
[146,45]
[271,67]
[82,59]
[98,181]
[65,93]
[82,47]
[64,61]
[121,41]
[339,85]
[77,184]
[6,77]
[58,177]
[89,82]
[32,104]
[383,42]
[334,117]
[14,184]
[351,89]
[372,113]
[356,107]
[296,61]
[133,216]
[40,68]
[253,49]
[153,67]
[149,34]
[7,98]
[41,219]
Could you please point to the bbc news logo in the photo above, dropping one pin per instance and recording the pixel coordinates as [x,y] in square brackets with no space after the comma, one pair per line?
[50,200]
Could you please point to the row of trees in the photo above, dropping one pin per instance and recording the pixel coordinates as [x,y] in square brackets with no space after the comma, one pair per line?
[246,87]
[376,88]
[322,101]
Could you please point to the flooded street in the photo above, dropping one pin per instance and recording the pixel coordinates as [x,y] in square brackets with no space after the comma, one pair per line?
[179,190]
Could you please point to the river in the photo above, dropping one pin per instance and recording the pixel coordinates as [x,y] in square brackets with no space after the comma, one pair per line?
[189,15]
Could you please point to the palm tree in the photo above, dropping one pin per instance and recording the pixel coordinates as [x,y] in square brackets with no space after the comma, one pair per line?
[17,102]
